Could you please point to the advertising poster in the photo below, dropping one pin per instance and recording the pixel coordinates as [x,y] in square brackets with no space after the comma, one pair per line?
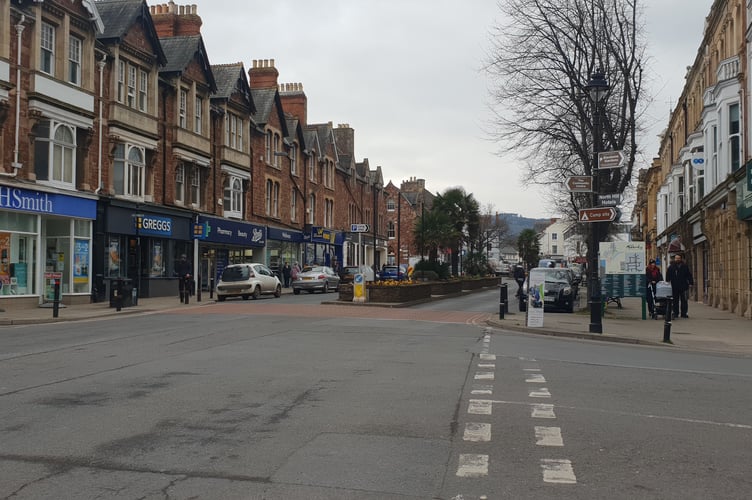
[49,285]
[4,257]
[113,257]
[81,261]
[157,262]
[535,298]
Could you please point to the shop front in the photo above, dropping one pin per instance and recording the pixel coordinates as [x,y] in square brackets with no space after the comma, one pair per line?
[321,249]
[222,242]
[140,244]
[44,237]
[283,245]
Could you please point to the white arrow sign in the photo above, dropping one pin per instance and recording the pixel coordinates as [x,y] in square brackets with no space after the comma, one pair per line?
[359,228]
[611,159]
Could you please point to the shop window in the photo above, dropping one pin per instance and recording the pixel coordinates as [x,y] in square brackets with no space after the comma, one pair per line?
[18,239]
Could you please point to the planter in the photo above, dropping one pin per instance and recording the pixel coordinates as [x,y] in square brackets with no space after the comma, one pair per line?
[401,293]
[346,292]
[476,283]
[446,287]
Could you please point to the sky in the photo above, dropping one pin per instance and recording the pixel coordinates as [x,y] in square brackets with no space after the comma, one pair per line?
[407,76]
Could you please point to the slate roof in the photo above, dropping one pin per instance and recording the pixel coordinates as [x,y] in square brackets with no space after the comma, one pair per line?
[264,100]
[119,16]
[230,78]
[180,51]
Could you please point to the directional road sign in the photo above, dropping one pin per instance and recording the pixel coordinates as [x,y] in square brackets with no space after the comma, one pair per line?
[611,159]
[597,214]
[360,228]
[580,184]
[609,200]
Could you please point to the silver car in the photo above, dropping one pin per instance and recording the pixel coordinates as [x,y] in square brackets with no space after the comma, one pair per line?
[247,280]
[316,278]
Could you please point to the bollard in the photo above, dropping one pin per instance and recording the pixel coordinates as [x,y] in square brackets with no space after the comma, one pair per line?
[667,322]
[187,288]
[502,300]
[198,288]
[56,299]
[211,288]
[118,295]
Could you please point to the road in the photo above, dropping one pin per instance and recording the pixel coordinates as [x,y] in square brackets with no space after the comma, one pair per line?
[287,398]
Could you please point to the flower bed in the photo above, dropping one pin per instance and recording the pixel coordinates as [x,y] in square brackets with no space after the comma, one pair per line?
[346,292]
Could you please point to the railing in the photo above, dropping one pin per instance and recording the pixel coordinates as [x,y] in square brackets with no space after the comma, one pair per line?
[728,69]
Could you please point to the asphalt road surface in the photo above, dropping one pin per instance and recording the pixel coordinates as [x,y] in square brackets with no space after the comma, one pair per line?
[288,398]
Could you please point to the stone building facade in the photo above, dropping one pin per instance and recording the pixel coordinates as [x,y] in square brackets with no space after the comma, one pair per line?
[695,197]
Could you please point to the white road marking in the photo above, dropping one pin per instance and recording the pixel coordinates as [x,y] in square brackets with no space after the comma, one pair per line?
[543,411]
[548,436]
[484,376]
[522,358]
[472,465]
[558,471]
[477,432]
[480,407]
[483,389]
[488,357]
[531,369]
[489,366]
[535,378]
[540,393]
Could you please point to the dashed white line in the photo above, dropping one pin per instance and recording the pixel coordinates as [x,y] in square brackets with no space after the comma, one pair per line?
[548,436]
[472,465]
[531,369]
[482,391]
[558,471]
[489,366]
[480,407]
[477,432]
[540,393]
[543,411]
[535,378]
[488,357]
[484,375]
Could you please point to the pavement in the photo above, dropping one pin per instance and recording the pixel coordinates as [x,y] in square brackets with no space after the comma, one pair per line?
[707,329]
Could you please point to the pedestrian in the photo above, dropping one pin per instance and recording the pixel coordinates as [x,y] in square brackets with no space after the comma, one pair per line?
[295,271]
[183,272]
[519,277]
[652,276]
[286,272]
[680,277]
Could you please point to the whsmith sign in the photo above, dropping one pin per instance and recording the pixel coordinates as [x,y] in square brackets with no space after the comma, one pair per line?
[38,202]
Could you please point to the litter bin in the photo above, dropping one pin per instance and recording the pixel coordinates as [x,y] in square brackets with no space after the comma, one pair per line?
[121,289]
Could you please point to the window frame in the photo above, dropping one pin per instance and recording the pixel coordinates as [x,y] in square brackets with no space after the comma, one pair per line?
[133,172]
[75,51]
[47,48]
[180,183]
[198,114]
[182,108]
[143,90]
[233,197]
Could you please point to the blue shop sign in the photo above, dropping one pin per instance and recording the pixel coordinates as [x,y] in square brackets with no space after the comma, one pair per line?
[231,232]
[273,233]
[322,235]
[26,200]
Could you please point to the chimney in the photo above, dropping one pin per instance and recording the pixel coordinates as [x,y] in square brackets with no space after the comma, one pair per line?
[294,101]
[345,138]
[175,20]
[263,74]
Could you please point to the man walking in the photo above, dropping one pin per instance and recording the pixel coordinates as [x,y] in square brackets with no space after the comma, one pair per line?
[519,277]
[183,272]
[680,277]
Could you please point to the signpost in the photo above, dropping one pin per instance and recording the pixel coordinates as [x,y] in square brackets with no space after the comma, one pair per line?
[598,214]
[580,184]
[360,228]
[611,159]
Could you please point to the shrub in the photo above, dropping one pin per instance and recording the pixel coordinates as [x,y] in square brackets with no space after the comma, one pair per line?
[441,269]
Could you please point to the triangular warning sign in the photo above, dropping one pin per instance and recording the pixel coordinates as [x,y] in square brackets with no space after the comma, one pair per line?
[584,217]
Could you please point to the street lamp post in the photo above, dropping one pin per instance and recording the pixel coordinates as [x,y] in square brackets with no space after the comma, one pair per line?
[597,88]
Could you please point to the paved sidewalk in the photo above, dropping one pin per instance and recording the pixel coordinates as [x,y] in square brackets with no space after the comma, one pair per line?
[707,329]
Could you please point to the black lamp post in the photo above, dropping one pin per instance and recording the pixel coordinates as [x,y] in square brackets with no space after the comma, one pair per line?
[597,88]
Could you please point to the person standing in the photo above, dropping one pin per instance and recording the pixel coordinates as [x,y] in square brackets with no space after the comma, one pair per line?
[295,271]
[286,272]
[519,277]
[680,277]
[183,272]
[653,275]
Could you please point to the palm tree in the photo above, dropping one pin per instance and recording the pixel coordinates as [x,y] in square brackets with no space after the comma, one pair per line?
[434,230]
[463,212]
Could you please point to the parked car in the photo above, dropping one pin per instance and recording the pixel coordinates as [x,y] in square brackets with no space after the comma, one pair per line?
[559,288]
[347,274]
[392,273]
[315,278]
[247,280]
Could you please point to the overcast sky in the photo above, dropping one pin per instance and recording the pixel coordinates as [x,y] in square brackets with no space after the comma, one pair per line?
[406,75]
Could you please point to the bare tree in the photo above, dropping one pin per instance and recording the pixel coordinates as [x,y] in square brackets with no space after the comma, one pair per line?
[542,59]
